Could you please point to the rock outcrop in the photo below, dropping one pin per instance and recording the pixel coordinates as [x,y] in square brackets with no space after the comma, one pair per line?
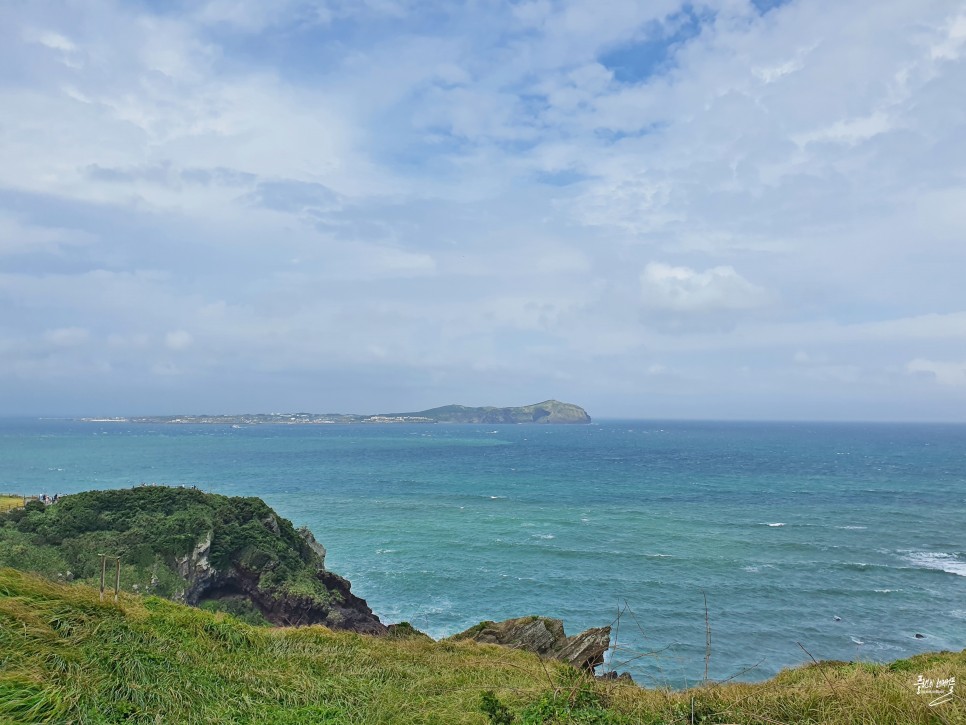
[338,608]
[586,650]
[196,570]
[546,637]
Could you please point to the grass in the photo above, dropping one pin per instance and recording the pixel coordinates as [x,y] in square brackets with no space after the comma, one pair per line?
[9,501]
[67,657]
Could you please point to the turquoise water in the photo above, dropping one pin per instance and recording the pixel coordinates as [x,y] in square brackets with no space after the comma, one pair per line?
[783,526]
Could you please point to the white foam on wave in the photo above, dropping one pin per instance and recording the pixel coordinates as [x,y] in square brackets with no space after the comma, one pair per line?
[386,551]
[542,536]
[754,569]
[852,528]
[494,498]
[856,640]
[937,560]
[777,523]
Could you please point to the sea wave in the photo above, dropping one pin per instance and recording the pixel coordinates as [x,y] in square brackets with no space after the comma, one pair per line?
[941,561]
[755,568]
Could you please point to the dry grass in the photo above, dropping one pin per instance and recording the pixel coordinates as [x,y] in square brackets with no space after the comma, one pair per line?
[9,501]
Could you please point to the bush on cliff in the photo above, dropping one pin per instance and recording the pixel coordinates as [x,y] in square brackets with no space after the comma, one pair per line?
[151,528]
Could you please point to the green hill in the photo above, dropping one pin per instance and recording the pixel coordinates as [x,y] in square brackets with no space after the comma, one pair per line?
[549,411]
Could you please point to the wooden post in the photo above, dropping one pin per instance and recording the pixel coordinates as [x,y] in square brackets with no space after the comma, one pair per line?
[117,579]
[103,572]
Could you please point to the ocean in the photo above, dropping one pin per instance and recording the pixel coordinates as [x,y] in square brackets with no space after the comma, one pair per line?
[846,540]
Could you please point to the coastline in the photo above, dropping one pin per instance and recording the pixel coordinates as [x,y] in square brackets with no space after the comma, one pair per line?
[570,522]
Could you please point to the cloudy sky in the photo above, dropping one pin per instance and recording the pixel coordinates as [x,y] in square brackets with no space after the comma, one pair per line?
[708,209]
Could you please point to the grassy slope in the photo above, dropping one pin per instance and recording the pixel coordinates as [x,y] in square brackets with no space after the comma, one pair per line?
[9,502]
[66,657]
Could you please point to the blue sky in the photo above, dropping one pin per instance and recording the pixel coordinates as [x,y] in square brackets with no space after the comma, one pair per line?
[722,209]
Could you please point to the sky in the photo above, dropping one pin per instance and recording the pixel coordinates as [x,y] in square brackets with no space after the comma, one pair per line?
[721,209]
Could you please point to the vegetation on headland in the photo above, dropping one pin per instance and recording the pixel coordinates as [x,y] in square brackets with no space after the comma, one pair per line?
[222,552]
[549,411]
[67,657]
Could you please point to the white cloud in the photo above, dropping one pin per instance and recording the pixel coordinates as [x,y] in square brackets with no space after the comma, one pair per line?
[850,130]
[950,47]
[54,41]
[67,336]
[178,340]
[494,188]
[682,289]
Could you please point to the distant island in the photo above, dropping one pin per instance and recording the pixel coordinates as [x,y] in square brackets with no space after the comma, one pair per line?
[549,411]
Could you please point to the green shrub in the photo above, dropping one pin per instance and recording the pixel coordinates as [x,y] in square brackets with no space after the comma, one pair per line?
[498,713]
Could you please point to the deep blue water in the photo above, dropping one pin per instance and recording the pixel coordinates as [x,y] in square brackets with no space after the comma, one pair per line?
[783,526]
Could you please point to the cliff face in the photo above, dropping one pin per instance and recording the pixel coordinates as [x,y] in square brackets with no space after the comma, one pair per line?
[337,608]
[202,549]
